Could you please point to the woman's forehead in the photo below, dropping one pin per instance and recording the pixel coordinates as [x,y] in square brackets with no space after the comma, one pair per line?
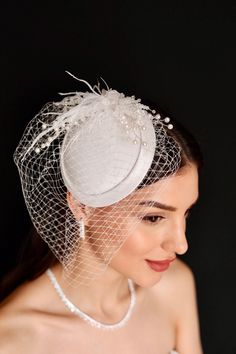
[172,187]
[181,187]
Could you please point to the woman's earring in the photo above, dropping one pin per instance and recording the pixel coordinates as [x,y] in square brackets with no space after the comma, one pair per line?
[81,229]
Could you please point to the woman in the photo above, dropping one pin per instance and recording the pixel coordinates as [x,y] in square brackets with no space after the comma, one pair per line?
[108,183]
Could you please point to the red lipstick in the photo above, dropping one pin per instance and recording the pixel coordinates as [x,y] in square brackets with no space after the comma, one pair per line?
[159,266]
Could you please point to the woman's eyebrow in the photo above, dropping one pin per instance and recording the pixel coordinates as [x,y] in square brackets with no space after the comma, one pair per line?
[158,205]
[162,206]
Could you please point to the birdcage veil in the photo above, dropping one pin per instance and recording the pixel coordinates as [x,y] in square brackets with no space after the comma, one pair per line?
[87,164]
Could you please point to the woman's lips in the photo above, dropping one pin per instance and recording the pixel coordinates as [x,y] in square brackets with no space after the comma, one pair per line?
[159,266]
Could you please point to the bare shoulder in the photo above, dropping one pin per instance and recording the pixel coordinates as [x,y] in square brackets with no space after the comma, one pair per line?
[180,269]
[19,325]
[176,287]
[13,329]
[177,291]
[180,276]
[182,282]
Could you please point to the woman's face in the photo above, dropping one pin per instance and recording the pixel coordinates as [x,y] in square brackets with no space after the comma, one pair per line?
[160,232]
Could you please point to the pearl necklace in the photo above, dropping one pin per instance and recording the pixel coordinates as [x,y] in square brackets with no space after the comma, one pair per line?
[86,317]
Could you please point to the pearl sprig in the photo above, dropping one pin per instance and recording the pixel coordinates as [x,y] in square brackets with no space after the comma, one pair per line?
[129,110]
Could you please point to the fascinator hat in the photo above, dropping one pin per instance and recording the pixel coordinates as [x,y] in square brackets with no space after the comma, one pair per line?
[102,149]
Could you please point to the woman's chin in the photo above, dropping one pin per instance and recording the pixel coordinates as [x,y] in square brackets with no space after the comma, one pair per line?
[147,282]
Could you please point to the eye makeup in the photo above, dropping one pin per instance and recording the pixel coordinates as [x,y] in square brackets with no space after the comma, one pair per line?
[152,219]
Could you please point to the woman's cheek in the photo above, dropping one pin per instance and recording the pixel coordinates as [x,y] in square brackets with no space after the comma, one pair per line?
[140,242]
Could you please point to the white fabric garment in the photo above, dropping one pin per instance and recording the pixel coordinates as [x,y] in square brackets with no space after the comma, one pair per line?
[174,352]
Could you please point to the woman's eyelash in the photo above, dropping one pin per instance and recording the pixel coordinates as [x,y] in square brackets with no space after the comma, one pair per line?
[152,218]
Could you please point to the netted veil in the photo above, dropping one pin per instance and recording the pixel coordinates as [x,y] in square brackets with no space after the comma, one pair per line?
[86,165]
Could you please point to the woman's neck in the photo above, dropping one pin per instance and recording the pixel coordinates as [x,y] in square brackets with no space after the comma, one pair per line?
[100,296]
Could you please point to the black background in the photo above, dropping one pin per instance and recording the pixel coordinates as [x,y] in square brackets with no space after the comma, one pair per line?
[182,55]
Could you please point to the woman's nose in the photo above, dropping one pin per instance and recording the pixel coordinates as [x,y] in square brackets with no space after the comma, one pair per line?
[175,241]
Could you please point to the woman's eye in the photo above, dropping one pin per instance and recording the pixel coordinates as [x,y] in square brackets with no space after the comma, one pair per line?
[152,218]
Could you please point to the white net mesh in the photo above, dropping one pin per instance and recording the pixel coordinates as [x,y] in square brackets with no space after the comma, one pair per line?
[93,159]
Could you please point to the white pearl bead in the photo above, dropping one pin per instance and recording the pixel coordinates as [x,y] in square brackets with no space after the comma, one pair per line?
[166,120]
[37,150]
[44,126]
[170,126]
[144,143]
[158,116]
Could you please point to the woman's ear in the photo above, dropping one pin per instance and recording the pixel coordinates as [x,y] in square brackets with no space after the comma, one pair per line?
[76,207]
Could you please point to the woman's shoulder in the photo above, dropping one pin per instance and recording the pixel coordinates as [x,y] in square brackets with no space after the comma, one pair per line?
[181,281]
[178,274]
[14,325]
[175,286]
[20,315]
[177,292]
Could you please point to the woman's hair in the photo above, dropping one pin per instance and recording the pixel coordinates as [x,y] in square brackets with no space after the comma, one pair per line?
[35,257]
[190,149]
